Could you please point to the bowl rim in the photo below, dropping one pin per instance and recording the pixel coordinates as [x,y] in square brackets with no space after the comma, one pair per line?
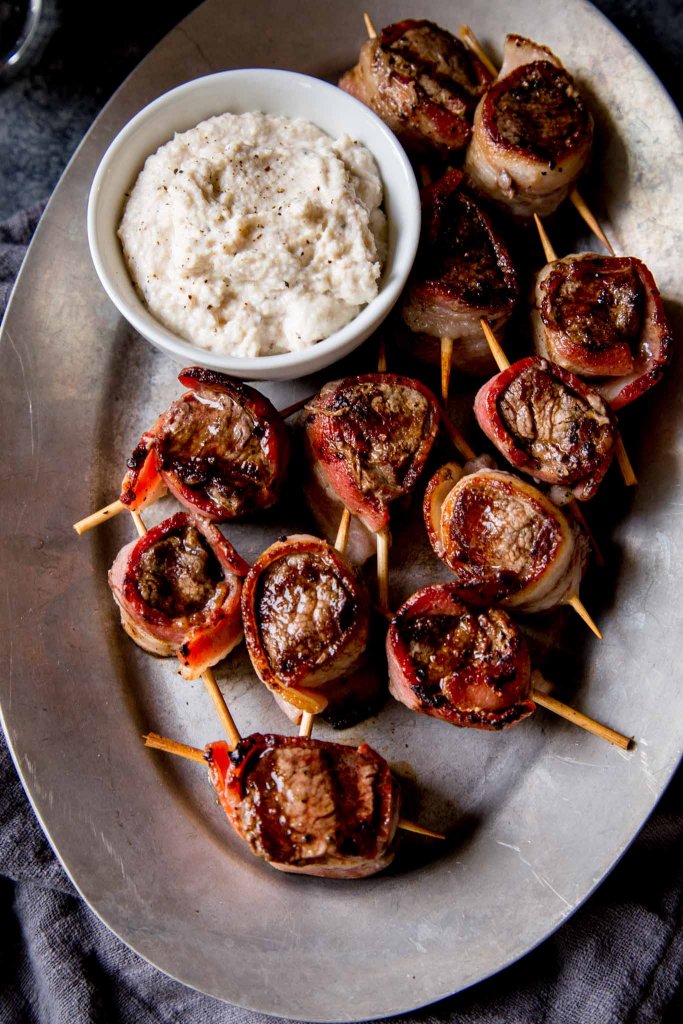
[340,342]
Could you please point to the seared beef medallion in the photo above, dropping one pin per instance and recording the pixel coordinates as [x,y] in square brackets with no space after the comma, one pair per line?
[532,132]
[549,424]
[307,806]
[463,272]
[506,542]
[178,589]
[422,81]
[221,449]
[470,667]
[369,438]
[306,619]
[602,316]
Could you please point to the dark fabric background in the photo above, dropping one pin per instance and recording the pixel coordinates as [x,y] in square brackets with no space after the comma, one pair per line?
[619,960]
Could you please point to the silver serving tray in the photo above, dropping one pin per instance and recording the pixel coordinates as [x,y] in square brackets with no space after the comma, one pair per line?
[538,814]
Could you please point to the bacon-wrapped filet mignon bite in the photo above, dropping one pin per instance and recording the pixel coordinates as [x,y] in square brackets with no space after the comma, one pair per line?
[178,589]
[370,437]
[422,81]
[470,667]
[463,272]
[548,423]
[532,133]
[308,806]
[306,620]
[220,449]
[602,316]
[506,542]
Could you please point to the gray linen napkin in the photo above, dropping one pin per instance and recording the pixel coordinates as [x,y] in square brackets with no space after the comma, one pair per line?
[619,960]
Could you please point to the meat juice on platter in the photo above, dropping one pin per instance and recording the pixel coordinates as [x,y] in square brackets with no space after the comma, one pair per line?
[222,451]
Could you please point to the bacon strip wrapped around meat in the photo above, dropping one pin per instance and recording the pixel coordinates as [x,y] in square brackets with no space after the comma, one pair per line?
[548,423]
[220,449]
[422,81]
[602,316]
[532,133]
[307,806]
[463,272]
[368,439]
[178,589]
[506,542]
[306,620]
[470,667]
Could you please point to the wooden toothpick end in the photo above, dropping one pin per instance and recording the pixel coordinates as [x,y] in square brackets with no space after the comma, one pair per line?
[577,604]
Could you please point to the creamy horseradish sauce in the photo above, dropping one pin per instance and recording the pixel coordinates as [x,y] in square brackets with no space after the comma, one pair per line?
[253,234]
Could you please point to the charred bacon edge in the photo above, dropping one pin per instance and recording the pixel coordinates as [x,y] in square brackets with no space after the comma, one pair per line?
[442,599]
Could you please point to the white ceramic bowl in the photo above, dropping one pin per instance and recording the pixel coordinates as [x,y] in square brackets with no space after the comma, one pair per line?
[241,91]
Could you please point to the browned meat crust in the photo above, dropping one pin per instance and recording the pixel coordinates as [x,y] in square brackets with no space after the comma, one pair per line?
[307,806]
[422,81]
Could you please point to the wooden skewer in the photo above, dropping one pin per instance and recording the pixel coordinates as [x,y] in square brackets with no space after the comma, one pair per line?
[456,437]
[584,212]
[382,357]
[157,742]
[95,518]
[208,678]
[469,39]
[578,718]
[410,826]
[370,28]
[383,566]
[625,466]
[550,253]
[577,604]
[502,361]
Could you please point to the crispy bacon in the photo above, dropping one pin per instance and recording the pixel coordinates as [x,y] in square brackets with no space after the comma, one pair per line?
[532,133]
[309,807]
[506,542]
[548,423]
[602,316]
[221,449]
[422,81]
[178,589]
[306,620]
[469,667]
[371,436]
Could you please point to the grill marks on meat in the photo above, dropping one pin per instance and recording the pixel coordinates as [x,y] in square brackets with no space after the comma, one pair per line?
[305,607]
[306,619]
[470,668]
[539,111]
[532,132]
[503,539]
[549,424]
[463,270]
[371,436]
[221,449]
[179,574]
[602,316]
[178,589]
[307,806]
[422,81]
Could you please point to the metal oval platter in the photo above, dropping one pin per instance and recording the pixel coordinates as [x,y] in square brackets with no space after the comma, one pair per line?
[536,815]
